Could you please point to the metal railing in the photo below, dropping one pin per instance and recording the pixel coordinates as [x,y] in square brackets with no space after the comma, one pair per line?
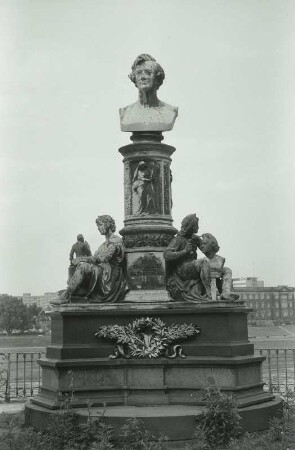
[278,369]
[20,375]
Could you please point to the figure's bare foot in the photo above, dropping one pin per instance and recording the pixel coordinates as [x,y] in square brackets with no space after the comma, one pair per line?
[206,298]
[229,297]
[61,299]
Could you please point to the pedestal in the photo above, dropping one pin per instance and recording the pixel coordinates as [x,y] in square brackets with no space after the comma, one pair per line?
[78,363]
[148,222]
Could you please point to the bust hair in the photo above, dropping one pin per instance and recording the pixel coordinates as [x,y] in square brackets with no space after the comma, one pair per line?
[160,74]
[213,241]
[108,221]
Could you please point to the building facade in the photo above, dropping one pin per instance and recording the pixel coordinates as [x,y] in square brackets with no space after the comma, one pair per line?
[247,282]
[43,301]
[269,303]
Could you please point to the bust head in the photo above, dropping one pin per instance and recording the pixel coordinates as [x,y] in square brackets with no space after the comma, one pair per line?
[80,238]
[146,73]
[209,244]
[105,224]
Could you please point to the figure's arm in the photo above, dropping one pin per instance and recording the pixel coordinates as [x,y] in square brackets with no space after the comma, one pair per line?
[72,253]
[102,256]
[110,251]
[172,252]
[87,246]
[95,259]
[79,259]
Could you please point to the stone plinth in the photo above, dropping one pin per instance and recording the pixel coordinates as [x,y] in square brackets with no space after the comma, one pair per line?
[148,223]
[79,363]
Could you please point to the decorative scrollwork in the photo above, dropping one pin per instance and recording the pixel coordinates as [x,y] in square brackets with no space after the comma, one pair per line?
[147,240]
[147,338]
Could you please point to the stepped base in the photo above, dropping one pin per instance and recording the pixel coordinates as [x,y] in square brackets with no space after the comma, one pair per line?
[178,422]
[90,370]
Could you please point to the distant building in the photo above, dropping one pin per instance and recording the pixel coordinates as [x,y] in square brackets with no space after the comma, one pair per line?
[247,282]
[269,303]
[43,301]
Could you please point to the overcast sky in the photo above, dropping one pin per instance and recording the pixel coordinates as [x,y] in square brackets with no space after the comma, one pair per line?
[63,76]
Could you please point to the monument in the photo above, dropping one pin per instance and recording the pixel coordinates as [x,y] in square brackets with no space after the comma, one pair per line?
[144,324]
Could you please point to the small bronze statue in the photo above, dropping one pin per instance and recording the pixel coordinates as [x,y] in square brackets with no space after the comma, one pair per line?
[100,277]
[80,248]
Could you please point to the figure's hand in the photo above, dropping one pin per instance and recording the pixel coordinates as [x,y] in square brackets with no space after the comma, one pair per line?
[189,247]
[79,259]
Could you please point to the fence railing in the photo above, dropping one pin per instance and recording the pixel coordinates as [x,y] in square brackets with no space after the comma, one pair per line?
[278,369]
[20,375]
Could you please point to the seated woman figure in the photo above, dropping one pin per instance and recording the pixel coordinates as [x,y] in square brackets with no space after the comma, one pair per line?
[99,277]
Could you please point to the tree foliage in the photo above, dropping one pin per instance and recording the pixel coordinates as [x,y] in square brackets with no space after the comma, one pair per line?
[15,315]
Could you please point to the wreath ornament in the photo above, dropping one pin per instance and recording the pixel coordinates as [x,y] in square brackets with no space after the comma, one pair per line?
[147,338]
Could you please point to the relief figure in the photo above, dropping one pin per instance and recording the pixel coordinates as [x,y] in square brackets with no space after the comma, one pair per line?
[143,190]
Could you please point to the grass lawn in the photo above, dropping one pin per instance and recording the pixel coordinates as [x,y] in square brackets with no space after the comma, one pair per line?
[22,343]
[280,331]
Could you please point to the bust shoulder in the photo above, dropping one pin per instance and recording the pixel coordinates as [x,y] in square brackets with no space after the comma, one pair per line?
[138,117]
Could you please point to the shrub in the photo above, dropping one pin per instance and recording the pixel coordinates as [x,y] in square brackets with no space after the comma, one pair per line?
[288,403]
[64,433]
[277,322]
[220,421]
[137,437]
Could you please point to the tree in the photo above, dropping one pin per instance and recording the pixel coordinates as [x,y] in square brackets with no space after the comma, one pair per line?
[36,315]
[14,315]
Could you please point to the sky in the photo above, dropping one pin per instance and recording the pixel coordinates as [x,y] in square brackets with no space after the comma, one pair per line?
[64,66]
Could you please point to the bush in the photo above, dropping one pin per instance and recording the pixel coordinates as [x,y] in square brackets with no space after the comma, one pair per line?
[64,433]
[277,322]
[220,421]
[137,437]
